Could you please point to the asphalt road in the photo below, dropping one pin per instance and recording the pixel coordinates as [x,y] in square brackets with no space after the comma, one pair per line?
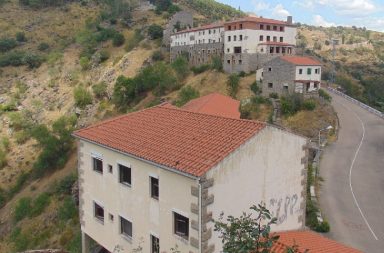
[352,195]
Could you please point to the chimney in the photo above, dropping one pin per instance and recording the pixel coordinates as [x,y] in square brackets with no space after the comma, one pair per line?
[289,20]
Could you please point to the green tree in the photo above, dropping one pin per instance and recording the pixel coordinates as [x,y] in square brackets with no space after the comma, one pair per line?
[124,92]
[247,233]
[180,65]
[118,40]
[155,31]
[186,94]
[82,97]
[233,84]
[217,63]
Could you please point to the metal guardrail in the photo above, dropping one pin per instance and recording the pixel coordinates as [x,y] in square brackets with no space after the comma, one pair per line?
[357,102]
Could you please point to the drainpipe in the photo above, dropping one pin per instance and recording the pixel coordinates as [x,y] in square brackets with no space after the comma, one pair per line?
[200,217]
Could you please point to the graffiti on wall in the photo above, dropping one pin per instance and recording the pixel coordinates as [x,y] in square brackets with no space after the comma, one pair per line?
[283,207]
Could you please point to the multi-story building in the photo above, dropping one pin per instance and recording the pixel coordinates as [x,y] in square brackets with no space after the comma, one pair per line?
[252,41]
[156,178]
[289,75]
[199,44]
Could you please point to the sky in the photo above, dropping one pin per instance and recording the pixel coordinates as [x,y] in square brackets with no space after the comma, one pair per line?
[360,13]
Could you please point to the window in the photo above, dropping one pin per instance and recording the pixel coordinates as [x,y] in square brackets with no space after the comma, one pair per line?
[317,71]
[240,62]
[309,71]
[275,28]
[281,39]
[315,85]
[125,174]
[281,29]
[240,37]
[268,27]
[110,168]
[209,31]
[98,211]
[229,27]
[274,39]
[268,38]
[283,50]
[277,50]
[261,38]
[155,244]
[125,227]
[270,85]
[261,27]
[269,69]
[229,38]
[228,50]
[234,38]
[300,71]
[181,225]
[271,50]
[111,217]
[229,61]
[237,50]
[154,187]
[97,165]
[241,26]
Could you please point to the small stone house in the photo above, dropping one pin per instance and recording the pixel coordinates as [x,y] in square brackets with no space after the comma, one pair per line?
[156,178]
[287,75]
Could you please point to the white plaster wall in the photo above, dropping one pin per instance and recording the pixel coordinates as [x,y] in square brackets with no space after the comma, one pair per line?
[304,76]
[184,38]
[267,168]
[259,74]
[251,38]
[134,203]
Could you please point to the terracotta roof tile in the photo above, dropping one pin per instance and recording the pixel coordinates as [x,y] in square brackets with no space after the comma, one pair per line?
[215,104]
[186,141]
[308,240]
[300,60]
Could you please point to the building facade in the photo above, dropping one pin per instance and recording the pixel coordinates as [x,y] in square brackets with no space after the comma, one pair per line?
[156,178]
[251,41]
[181,19]
[290,75]
[199,44]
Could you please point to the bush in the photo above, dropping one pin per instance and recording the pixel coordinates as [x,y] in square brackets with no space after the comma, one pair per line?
[43,46]
[68,209]
[200,69]
[65,185]
[186,94]
[19,184]
[82,97]
[180,65]
[291,104]
[233,84]
[84,63]
[20,37]
[309,105]
[14,58]
[103,55]
[20,240]
[100,90]
[217,63]
[39,204]
[118,39]
[274,95]
[33,60]
[22,136]
[7,44]
[323,227]
[157,56]
[22,209]
[155,31]
[255,88]
[3,158]
[323,94]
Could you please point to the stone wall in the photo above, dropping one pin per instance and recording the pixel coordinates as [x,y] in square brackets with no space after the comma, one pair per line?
[235,63]
[186,20]
[198,54]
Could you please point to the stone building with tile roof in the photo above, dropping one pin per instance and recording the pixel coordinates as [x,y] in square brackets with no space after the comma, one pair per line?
[156,178]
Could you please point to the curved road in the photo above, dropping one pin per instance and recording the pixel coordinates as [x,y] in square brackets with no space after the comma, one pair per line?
[352,195]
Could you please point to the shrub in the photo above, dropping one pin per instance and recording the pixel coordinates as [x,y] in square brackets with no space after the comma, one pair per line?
[3,158]
[18,185]
[104,55]
[291,104]
[65,185]
[20,240]
[155,31]
[274,95]
[118,39]
[217,63]
[200,69]
[157,56]
[124,92]
[5,143]
[68,209]
[82,97]
[14,58]
[39,204]
[180,65]
[43,46]
[323,227]
[309,105]
[84,63]
[21,137]
[186,94]
[233,84]
[3,197]
[100,90]
[22,209]
[33,60]
[242,74]
[20,37]
[7,44]
[255,88]
[325,95]
[173,9]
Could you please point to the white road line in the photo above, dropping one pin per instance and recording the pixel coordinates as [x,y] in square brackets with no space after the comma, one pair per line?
[350,171]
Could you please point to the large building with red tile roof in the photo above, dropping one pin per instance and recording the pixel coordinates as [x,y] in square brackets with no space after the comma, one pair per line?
[288,75]
[157,177]
[311,242]
[215,104]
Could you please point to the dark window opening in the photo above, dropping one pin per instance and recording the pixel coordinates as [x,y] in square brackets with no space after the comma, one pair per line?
[229,27]
[154,188]
[268,27]
[181,225]
[155,244]
[125,227]
[99,212]
[309,71]
[281,28]
[268,38]
[277,50]
[237,50]
[315,85]
[281,39]
[97,165]
[269,69]
[240,37]
[300,71]
[241,26]
[125,174]
[271,50]
[229,61]
[261,27]
[229,38]
[275,28]
[283,50]
[234,38]
[240,62]
[261,38]
[270,85]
